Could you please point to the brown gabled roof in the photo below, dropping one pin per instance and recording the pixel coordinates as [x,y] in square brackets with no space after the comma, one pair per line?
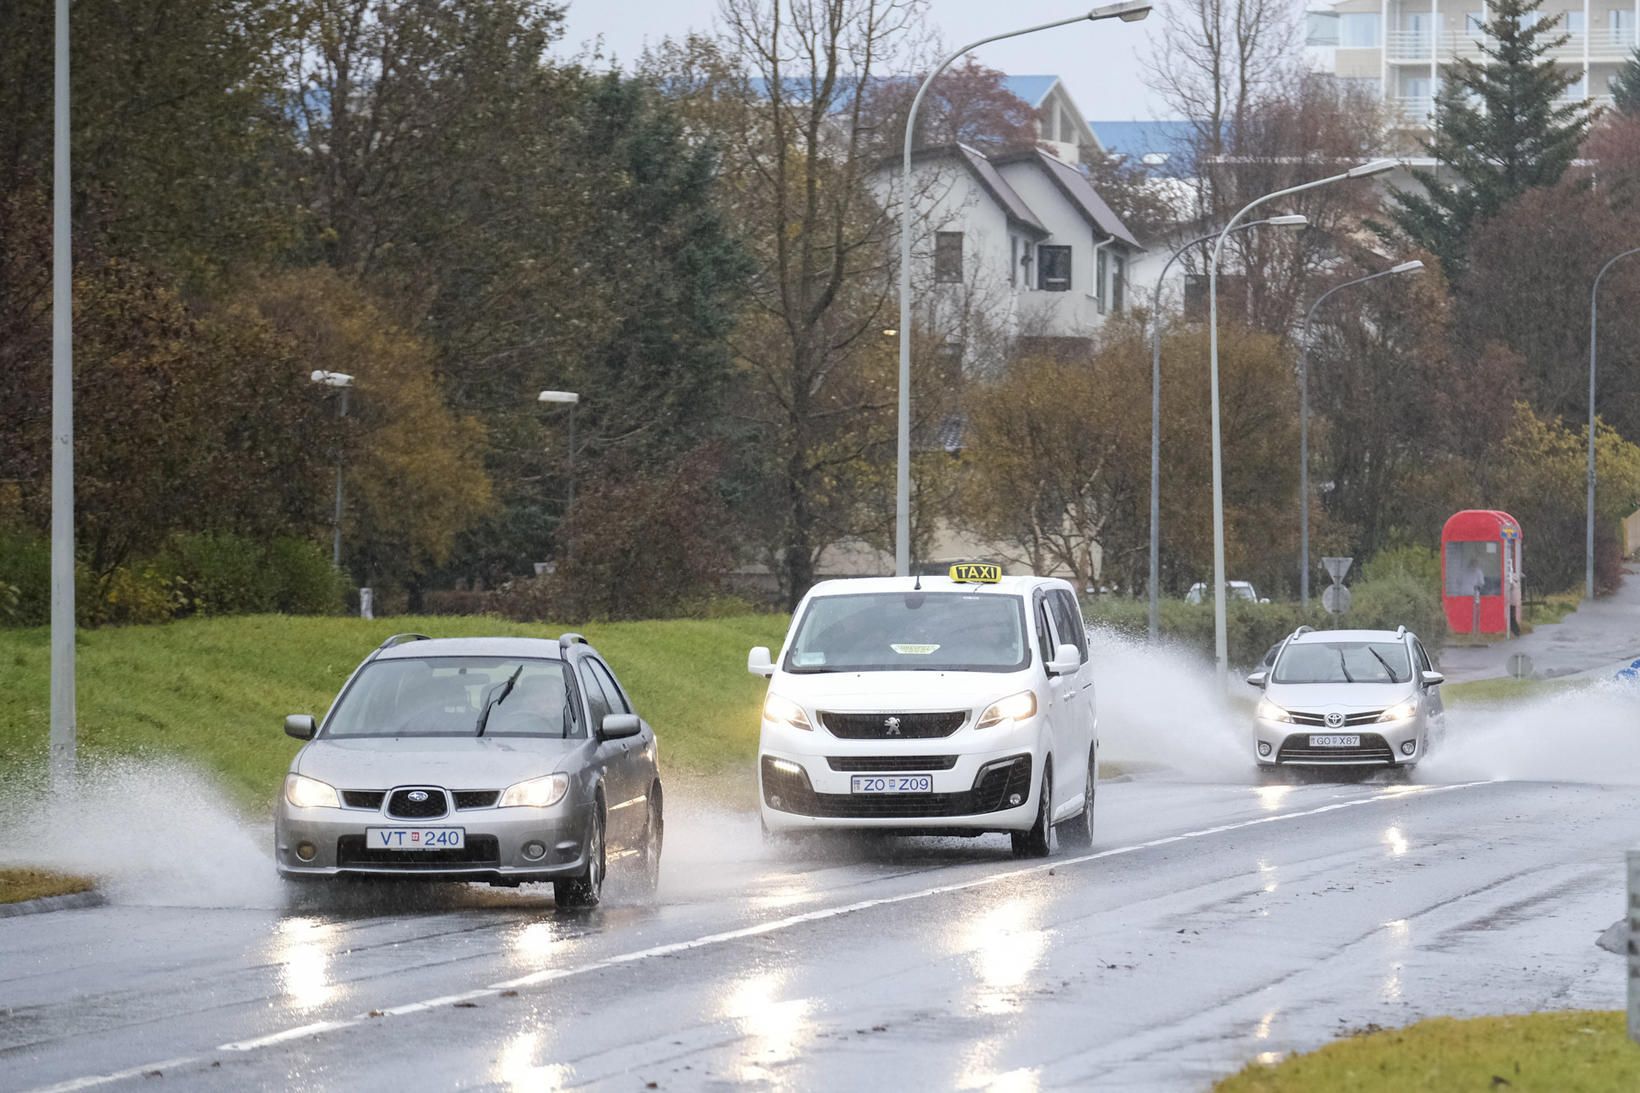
[1078,190]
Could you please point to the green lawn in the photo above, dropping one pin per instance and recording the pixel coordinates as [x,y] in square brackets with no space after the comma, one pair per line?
[215,691]
[1494,691]
[1570,1052]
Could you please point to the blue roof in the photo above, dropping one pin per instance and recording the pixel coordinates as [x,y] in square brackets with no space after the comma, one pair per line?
[1138,139]
[1033,89]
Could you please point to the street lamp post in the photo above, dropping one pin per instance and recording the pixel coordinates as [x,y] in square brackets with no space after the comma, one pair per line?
[345,382]
[1153,587]
[1221,643]
[1128,11]
[64,718]
[572,399]
[1304,423]
[1588,544]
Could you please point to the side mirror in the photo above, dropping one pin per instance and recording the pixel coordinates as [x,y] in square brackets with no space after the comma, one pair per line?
[301,725]
[1066,659]
[1259,679]
[1433,679]
[620,726]
[758,661]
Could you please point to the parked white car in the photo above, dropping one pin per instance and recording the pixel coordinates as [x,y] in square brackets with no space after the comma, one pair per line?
[1201,592]
[956,705]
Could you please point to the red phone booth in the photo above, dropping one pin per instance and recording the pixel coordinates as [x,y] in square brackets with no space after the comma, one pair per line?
[1480,572]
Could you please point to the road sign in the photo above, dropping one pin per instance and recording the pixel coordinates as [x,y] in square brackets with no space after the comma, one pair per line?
[1335,598]
[1519,665]
[1337,567]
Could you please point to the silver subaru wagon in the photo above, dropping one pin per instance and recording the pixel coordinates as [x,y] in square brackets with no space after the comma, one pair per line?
[493,759]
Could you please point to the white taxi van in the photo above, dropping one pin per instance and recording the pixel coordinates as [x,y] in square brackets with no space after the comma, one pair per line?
[935,705]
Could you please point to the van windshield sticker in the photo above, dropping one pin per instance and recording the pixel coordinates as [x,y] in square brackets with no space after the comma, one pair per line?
[914,650]
[808,660]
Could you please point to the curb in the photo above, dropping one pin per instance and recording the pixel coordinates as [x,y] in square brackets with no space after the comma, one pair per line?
[73,902]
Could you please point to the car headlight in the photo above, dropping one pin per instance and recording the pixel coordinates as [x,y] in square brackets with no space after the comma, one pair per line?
[536,793]
[1013,708]
[1269,711]
[783,711]
[1400,711]
[305,792]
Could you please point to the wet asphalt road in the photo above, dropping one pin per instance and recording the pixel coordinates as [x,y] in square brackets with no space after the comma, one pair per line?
[1211,924]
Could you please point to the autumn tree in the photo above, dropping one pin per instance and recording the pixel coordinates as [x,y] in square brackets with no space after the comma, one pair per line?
[968,104]
[1216,59]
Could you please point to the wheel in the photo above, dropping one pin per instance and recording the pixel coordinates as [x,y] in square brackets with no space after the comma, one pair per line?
[585,890]
[1038,841]
[1078,832]
[649,855]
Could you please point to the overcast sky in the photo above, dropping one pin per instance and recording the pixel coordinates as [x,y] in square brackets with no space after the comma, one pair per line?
[1099,62]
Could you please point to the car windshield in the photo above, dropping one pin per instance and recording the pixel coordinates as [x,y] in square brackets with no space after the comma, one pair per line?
[444,696]
[911,632]
[1344,662]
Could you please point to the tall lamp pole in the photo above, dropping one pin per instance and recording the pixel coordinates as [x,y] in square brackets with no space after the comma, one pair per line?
[64,719]
[1128,11]
[572,399]
[345,382]
[1588,544]
[1221,642]
[1153,585]
[1304,423]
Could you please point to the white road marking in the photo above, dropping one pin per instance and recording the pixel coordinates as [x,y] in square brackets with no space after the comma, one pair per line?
[773,926]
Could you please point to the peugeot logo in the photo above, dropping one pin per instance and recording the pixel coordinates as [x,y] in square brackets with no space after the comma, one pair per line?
[417,795]
[892,724]
[1335,720]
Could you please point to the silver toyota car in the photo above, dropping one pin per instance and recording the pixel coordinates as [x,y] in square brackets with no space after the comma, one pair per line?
[1357,698]
[494,759]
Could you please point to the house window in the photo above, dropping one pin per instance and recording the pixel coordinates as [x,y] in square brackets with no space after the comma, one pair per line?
[1013,260]
[948,257]
[1118,284]
[1572,23]
[1101,278]
[1320,28]
[1622,28]
[1358,30]
[1054,268]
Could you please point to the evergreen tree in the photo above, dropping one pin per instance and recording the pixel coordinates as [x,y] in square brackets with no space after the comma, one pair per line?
[1501,128]
[1626,87]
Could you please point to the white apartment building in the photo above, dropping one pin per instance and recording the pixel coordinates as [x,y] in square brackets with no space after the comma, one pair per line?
[1400,50]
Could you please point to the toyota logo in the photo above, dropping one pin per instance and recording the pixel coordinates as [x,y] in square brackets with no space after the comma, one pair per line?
[892,724]
[417,795]
[1335,720]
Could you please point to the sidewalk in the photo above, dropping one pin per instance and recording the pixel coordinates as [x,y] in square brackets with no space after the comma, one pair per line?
[1596,637]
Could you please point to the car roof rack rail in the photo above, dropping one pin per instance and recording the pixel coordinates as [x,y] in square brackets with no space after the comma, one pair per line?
[1401,631]
[570,637]
[400,639]
[1304,630]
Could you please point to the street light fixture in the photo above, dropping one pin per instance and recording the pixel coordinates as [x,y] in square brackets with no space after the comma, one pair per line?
[345,382]
[1128,11]
[1290,220]
[1304,422]
[571,399]
[1221,642]
[1588,558]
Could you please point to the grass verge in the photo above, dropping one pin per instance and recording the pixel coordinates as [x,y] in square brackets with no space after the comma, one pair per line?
[1495,691]
[17,885]
[214,691]
[1578,1051]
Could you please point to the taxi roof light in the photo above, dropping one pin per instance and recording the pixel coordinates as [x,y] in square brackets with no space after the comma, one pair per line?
[976,573]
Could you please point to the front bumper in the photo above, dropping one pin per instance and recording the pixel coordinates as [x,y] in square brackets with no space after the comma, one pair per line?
[495,838]
[1383,744]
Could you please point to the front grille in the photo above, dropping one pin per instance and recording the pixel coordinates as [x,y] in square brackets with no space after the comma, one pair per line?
[1374,749]
[793,793]
[364,798]
[401,806]
[476,798]
[480,850]
[1370,717]
[892,726]
[888,763]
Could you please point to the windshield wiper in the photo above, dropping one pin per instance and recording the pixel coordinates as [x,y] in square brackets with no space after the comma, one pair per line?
[1393,678]
[1342,667]
[505,690]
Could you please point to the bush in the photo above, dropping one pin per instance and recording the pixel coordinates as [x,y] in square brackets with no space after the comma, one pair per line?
[219,574]
[25,568]
[304,581]
[1418,562]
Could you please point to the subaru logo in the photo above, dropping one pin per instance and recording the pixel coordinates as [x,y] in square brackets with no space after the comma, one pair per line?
[892,724]
[1335,720]
[417,795]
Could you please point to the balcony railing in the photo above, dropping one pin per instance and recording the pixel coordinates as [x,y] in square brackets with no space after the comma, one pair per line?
[1604,44]
[1418,112]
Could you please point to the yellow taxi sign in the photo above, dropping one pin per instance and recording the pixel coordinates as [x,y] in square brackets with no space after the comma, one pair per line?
[976,573]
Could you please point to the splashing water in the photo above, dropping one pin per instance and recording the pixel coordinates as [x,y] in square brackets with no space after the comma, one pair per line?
[1587,734]
[152,833]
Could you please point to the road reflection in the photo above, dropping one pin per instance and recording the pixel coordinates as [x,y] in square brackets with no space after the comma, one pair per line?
[516,1068]
[778,1029]
[302,949]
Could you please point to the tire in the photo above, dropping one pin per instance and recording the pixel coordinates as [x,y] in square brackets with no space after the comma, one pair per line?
[1078,832]
[1038,841]
[584,891]
[649,855]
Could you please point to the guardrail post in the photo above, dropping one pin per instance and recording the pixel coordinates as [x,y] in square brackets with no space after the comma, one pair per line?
[1633,946]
